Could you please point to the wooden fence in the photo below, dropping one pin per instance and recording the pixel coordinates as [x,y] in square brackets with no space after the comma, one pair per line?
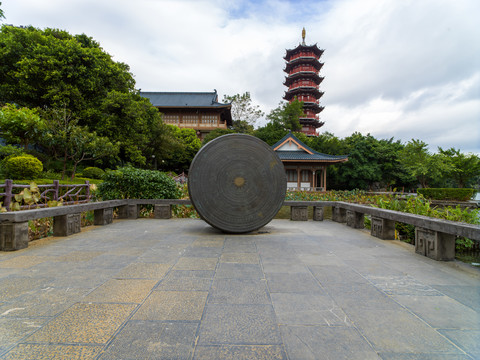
[68,194]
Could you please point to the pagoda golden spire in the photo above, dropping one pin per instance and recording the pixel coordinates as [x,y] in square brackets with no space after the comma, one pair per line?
[303,36]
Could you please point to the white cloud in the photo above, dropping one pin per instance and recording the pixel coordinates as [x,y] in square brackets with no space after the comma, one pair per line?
[404,69]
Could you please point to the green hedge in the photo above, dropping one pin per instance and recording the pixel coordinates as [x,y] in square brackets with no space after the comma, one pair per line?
[447,193]
[93,172]
[131,183]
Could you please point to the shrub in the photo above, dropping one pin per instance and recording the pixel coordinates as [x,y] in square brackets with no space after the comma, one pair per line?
[93,173]
[131,183]
[22,167]
[447,193]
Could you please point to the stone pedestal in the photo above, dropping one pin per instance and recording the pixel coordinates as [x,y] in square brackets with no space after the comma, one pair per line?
[163,211]
[355,219]
[13,236]
[122,212]
[298,213]
[318,213]
[435,245]
[339,214]
[103,216]
[383,228]
[66,225]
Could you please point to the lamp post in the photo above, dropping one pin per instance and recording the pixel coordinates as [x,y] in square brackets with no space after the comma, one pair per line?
[154,162]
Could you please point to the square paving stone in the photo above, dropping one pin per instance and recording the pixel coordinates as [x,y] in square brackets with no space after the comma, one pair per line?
[122,291]
[205,274]
[24,261]
[467,340]
[441,311]
[53,352]
[208,243]
[401,285]
[237,245]
[308,309]
[293,283]
[355,297]
[184,284]
[108,261]
[144,271]
[239,291]
[240,325]
[196,263]
[239,258]
[239,352]
[79,255]
[84,323]
[430,356]
[285,268]
[13,287]
[173,305]
[318,342]
[153,340]
[320,259]
[202,252]
[243,271]
[336,274]
[399,331]
[13,330]
[467,295]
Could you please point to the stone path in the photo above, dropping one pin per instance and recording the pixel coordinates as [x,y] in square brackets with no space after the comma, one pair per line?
[178,289]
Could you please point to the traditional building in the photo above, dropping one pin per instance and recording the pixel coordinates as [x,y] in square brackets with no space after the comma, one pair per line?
[306,168]
[303,66]
[200,111]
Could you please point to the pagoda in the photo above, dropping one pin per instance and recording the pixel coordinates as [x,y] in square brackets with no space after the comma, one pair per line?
[303,66]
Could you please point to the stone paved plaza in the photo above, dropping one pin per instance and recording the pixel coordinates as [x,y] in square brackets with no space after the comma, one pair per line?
[178,289]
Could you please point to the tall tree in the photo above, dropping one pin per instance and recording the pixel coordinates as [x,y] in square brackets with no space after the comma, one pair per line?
[244,113]
[287,115]
[465,168]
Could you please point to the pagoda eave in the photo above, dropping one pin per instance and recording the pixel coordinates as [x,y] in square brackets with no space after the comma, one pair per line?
[314,48]
[303,75]
[290,94]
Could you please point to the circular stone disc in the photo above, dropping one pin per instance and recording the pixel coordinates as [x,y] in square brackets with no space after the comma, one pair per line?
[237,183]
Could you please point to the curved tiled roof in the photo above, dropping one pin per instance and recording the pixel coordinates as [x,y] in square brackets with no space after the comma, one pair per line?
[304,152]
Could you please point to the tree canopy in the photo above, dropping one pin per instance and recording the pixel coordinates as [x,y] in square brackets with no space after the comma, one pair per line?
[244,113]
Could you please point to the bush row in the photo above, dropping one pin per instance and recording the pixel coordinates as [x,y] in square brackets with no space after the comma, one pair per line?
[447,194]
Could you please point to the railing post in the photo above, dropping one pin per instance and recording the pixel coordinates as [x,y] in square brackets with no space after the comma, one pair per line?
[163,211]
[65,225]
[103,216]
[13,236]
[383,228]
[298,213]
[355,219]
[87,192]
[339,214]
[56,186]
[8,193]
[434,244]
[318,213]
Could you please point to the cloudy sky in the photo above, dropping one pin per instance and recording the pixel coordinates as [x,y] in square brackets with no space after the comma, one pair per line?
[393,68]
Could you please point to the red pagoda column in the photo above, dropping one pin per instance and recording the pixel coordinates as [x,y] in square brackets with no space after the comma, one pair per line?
[303,66]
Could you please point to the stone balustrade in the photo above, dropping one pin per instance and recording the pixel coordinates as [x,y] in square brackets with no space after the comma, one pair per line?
[435,238]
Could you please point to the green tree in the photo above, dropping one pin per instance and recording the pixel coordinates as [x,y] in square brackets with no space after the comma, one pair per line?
[465,168]
[287,115]
[20,126]
[188,145]
[216,133]
[244,113]
[51,68]
[2,16]
[421,164]
[271,132]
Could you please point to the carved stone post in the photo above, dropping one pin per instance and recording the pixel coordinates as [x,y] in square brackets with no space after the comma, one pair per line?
[103,216]
[318,213]
[163,211]
[65,225]
[434,244]
[13,236]
[355,219]
[339,214]
[298,213]
[383,228]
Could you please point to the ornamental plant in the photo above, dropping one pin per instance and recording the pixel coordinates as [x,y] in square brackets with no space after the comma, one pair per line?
[22,167]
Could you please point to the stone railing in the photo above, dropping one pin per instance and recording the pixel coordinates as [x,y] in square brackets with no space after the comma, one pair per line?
[435,238]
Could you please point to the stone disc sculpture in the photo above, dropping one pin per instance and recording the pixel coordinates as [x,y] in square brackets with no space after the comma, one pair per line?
[237,183]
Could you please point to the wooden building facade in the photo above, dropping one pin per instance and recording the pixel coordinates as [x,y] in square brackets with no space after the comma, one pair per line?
[200,111]
[306,168]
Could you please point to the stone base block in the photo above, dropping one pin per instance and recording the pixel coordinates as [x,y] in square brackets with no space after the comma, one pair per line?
[66,225]
[355,219]
[163,211]
[318,213]
[435,245]
[13,236]
[339,214]
[103,216]
[298,213]
[383,228]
